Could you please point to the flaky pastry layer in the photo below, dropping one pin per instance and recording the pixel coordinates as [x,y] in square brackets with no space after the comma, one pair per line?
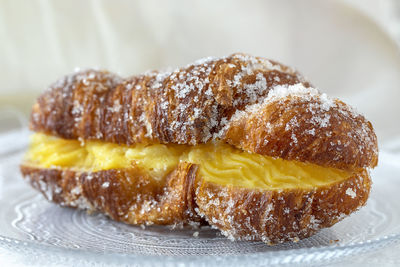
[132,196]
[252,103]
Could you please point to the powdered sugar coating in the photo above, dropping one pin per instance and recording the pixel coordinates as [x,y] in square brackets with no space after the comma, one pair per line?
[212,99]
[279,216]
[273,216]
[128,195]
[351,193]
[296,122]
[193,103]
[251,103]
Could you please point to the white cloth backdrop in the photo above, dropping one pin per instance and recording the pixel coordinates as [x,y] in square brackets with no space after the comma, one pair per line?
[342,51]
[346,48]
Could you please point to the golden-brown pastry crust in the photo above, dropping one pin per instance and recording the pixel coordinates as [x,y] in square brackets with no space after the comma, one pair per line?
[252,103]
[237,99]
[272,216]
[296,128]
[128,195]
[278,216]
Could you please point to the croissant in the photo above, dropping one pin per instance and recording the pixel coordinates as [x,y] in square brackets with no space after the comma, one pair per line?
[241,143]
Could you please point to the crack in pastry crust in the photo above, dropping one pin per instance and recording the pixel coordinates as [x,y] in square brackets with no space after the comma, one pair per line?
[128,195]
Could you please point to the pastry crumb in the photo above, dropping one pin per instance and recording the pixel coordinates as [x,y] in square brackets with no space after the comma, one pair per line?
[350,192]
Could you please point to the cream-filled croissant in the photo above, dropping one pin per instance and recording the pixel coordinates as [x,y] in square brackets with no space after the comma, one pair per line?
[242,143]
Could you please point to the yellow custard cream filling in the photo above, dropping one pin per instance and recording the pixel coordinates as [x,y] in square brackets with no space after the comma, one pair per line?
[218,162]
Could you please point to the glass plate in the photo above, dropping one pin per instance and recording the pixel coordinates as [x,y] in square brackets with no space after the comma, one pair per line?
[33,228]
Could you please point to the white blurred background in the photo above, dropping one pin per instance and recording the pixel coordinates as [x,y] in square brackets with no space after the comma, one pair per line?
[347,48]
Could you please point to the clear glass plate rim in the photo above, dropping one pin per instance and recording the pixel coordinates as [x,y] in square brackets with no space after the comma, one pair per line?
[270,255]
